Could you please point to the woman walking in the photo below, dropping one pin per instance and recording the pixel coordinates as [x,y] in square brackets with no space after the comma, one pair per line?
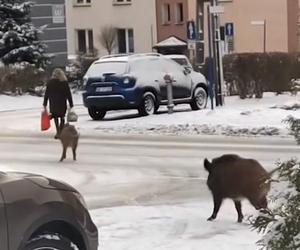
[58,92]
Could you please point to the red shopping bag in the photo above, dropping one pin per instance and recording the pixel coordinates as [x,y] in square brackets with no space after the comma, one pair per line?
[45,121]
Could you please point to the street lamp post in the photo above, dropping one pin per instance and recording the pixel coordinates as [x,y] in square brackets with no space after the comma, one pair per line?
[215,64]
[264,24]
[215,10]
[211,63]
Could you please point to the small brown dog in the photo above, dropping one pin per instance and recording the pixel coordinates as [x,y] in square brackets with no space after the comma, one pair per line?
[69,138]
[234,177]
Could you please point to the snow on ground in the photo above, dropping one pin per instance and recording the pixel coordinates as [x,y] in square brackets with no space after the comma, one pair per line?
[169,227]
[164,227]
[10,103]
[237,117]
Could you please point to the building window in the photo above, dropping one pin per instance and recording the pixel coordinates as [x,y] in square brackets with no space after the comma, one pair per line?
[120,2]
[85,43]
[179,13]
[166,13]
[82,2]
[125,40]
[130,40]
[90,40]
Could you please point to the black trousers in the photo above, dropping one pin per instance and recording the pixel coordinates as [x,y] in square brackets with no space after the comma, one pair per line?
[59,123]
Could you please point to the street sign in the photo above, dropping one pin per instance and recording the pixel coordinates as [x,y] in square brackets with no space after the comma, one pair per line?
[229,29]
[230,45]
[58,13]
[191,30]
[216,9]
[192,44]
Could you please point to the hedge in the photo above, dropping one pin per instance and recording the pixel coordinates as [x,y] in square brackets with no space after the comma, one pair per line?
[250,74]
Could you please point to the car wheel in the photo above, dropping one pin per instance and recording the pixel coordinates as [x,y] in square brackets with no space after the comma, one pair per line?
[96,114]
[199,100]
[148,105]
[50,242]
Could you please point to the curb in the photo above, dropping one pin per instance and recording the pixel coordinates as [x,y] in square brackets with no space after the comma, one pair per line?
[210,139]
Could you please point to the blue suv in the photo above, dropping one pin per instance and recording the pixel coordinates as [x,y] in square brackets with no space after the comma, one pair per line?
[137,82]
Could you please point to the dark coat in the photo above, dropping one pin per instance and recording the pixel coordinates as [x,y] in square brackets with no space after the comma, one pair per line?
[58,93]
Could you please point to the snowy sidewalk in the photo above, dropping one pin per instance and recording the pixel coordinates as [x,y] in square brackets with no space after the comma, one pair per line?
[237,117]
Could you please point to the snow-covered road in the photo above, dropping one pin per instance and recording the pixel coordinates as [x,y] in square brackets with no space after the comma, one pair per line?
[129,170]
[147,192]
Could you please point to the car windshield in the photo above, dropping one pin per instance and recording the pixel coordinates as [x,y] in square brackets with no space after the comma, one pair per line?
[100,68]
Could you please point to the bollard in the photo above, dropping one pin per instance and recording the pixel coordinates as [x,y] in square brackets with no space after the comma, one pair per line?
[169,80]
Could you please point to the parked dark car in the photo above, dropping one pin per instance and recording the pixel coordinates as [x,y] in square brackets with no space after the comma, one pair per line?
[137,82]
[40,213]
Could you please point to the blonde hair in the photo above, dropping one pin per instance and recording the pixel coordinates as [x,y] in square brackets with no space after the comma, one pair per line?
[59,74]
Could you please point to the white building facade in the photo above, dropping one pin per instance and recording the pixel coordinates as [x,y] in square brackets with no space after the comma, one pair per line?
[135,21]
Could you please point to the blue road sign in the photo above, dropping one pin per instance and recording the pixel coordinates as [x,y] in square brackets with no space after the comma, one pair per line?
[229,29]
[191,30]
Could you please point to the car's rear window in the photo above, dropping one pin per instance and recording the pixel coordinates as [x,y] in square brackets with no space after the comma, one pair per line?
[181,61]
[100,68]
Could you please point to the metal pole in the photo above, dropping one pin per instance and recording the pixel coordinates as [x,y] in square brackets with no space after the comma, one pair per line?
[265,35]
[199,53]
[215,55]
[220,61]
[210,62]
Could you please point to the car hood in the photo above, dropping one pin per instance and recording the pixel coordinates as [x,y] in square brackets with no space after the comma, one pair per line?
[42,181]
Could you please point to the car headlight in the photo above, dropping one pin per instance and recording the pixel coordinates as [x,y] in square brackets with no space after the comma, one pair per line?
[126,80]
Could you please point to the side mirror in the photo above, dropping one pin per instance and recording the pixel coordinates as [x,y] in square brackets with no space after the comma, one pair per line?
[187,70]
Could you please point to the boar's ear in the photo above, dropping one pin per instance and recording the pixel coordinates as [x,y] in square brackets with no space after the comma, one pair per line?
[207,165]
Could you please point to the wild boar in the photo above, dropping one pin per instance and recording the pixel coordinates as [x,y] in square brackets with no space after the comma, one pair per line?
[69,138]
[231,176]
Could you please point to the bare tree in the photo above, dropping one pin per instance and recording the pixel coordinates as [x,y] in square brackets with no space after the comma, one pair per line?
[107,38]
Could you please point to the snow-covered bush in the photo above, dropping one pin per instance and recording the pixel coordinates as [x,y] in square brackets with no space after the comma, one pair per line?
[19,80]
[295,86]
[76,68]
[294,124]
[255,73]
[280,224]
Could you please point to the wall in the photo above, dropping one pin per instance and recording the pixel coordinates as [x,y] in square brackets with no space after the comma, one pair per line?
[140,16]
[172,29]
[293,37]
[55,35]
[248,37]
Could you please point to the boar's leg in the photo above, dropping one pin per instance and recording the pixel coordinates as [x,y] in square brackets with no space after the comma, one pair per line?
[74,151]
[238,207]
[63,156]
[217,204]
